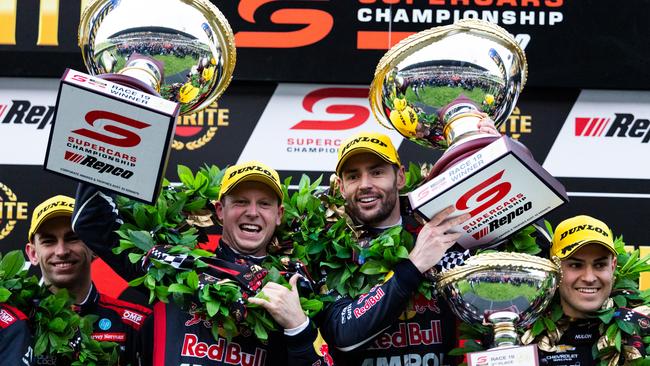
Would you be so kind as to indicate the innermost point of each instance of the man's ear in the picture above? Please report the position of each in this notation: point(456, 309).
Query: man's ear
point(341, 185)
point(30, 250)
point(278, 221)
point(218, 207)
point(614, 262)
point(401, 177)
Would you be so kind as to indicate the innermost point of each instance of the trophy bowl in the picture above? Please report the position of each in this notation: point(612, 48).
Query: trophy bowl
point(431, 86)
point(182, 50)
point(502, 288)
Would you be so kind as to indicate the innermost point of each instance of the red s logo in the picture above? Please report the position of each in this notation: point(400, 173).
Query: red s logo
point(318, 24)
point(359, 113)
point(491, 196)
point(127, 139)
point(80, 78)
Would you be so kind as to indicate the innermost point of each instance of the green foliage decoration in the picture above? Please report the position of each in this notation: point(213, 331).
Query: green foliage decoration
point(55, 325)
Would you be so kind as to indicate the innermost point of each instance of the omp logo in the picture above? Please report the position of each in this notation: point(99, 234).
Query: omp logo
point(487, 193)
point(132, 317)
point(127, 138)
point(100, 166)
point(357, 114)
point(23, 112)
point(193, 131)
point(11, 210)
point(623, 125)
point(316, 24)
point(6, 319)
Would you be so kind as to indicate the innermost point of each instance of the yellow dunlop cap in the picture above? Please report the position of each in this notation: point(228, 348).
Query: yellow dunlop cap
point(250, 171)
point(52, 207)
point(367, 142)
point(576, 232)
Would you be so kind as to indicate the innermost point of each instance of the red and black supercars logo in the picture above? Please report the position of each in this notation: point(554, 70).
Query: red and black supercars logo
point(484, 195)
point(624, 125)
point(124, 138)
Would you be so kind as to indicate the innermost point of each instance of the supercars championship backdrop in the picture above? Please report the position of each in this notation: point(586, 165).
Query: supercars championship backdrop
point(301, 85)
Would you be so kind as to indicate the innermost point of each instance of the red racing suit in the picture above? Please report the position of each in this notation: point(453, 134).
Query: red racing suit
point(15, 337)
point(178, 337)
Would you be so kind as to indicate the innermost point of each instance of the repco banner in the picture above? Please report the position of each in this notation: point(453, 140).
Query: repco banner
point(342, 41)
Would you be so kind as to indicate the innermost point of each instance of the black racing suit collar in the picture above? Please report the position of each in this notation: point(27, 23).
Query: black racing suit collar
point(89, 305)
point(224, 251)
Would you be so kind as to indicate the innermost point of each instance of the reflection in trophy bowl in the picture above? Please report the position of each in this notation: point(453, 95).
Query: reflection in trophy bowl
point(505, 289)
point(432, 85)
point(183, 50)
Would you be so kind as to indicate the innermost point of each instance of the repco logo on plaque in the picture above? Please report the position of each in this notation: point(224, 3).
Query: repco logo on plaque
point(195, 130)
point(11, 210)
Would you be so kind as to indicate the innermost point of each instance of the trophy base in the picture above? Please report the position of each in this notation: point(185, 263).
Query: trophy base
point(505, 356)
point(500, 185)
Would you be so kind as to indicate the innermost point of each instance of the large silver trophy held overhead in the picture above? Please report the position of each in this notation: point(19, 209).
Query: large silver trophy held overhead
point(148, 61)
point(434, 87)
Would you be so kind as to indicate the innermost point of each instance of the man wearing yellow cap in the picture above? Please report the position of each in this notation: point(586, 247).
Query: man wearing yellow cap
point(64, 261)
point(398, 327)
point(585, 247)
point(250, 208)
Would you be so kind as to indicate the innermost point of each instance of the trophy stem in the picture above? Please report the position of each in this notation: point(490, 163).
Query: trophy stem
point(461, 126)
point(505, 334)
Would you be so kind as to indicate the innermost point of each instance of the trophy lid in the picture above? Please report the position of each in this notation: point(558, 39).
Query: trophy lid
point(191, 39)
point(471, 65)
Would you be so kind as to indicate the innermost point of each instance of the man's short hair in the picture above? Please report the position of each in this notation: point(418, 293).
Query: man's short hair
point(367, 142)
point(52, 207)
point(252, 171)
point(574, 233)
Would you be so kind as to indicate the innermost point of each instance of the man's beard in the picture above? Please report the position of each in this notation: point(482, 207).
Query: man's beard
point(386, 206)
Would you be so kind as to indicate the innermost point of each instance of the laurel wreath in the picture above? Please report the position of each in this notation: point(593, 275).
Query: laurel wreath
point(177, 218)
point(198, 143)
point(8, 228)
point(58, 330)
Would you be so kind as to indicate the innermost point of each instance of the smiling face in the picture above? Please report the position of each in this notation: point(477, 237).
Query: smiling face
point(587, 279)
point(63, 258)
point(249, 214)
point(370, 187)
